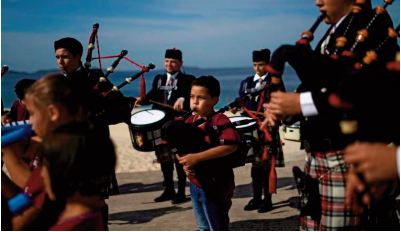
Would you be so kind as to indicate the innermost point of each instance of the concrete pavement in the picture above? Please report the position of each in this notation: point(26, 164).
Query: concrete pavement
point(134, 208)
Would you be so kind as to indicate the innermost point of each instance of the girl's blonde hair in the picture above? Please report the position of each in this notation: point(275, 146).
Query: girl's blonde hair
point(56, 89)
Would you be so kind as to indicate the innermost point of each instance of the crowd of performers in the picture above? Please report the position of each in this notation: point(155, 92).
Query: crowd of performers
point(350, 134)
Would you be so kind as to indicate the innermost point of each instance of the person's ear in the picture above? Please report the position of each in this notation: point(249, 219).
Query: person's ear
point(180, 63)
point(215, 100)
point(53, 112)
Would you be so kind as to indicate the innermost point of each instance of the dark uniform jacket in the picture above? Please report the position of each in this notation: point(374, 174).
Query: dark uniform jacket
point(181, 88)
point(323, 75)
point(111, 109)
point(251, 95)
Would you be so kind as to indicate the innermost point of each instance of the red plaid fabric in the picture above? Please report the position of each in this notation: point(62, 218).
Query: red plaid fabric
point(329, 168)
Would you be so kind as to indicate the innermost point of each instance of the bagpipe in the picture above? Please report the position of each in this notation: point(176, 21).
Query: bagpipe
point(18, 131)
point(294, 55)
point(315, 69)
point(91, 46)
point(185, 138)
point(354, 49)
point(268, 135)
point(93, 38)
point(375, 71)
point(114, 107)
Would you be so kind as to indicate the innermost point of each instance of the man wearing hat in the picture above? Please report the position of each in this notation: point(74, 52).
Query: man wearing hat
point(103, 110)
point(251, 94)
point(172, 88)
point(100, 110)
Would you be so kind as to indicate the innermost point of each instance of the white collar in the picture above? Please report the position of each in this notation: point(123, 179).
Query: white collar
point(169, 75)
point(338, 24)
point(257, 77)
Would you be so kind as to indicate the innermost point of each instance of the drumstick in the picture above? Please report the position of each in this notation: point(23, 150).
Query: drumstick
point(256, 112)
point(169, 106)
point(165, 105)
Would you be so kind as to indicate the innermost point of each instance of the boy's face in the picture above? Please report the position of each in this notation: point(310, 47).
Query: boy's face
point(259, 68)
point(66, 61)
point(334, 9)
point(201, 101)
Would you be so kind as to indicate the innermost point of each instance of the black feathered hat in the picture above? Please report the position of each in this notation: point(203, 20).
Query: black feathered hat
point(261, 55)
point(71, 44)
point(173, 54)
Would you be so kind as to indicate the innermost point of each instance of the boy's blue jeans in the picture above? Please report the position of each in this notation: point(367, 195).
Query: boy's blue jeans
point(211, 210)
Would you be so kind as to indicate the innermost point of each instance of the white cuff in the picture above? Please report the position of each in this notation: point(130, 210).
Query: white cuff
point(308, 108)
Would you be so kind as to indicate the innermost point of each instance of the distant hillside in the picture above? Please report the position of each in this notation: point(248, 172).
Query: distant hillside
point(229, 78)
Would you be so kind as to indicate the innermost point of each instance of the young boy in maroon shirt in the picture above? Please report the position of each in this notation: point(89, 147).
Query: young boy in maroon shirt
point(211, 179)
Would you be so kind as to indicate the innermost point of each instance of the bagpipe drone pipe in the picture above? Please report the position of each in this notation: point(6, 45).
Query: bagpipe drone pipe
point(113, 106)
point(112, 98)
point(370, 104)
point(365, 96)
point(346, 46)
point(187, 138)
point(109, 106)
point(353, 59)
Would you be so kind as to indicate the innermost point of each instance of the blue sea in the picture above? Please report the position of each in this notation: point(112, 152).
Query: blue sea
point(229, 78)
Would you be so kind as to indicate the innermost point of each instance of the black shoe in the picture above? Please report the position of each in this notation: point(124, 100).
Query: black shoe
point(266, 206)
point(166, 196)
point(253, 204)
point(180, 198)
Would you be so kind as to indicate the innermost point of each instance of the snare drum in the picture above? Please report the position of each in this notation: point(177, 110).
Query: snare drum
point(247, 126)
point(145, 129)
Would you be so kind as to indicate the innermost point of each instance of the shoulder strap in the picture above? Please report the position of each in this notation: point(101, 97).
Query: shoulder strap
point(214, 131)
point(159, 82)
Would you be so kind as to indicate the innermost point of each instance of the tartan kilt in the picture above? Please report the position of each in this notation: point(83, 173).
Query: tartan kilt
point(330, 171)
point(274, 147)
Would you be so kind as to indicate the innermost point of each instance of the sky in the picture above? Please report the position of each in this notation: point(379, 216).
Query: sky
point(210, 33)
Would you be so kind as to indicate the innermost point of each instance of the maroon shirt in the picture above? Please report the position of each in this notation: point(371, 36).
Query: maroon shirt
point(88, 221)
point(226, 134)
point(18, 111)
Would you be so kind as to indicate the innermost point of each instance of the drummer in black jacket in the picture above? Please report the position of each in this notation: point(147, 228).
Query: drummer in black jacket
point(250, 93)
point(173, 89)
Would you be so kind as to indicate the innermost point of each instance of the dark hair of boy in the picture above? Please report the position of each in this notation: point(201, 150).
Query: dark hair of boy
point(210, 83)
point(71, 44)
point(21, 87)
